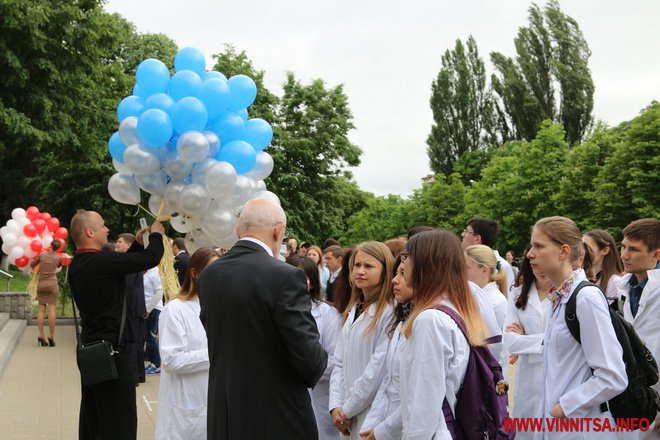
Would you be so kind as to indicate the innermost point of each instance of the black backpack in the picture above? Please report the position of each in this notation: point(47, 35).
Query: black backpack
point(639, 400)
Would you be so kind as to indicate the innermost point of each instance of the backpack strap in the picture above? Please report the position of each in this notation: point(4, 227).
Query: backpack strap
point(570, 313)
point(446, 410)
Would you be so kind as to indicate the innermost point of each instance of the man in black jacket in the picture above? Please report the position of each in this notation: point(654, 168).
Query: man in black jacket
point(181, 257)
point(97, 279)
point(264, 346)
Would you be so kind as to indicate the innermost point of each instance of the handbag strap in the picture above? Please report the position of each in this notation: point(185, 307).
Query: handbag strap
point(121, 326)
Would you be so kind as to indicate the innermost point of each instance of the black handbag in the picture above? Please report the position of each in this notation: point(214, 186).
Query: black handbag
point(96, 359)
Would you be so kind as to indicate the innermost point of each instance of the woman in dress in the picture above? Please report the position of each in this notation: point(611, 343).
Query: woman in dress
point(363, 341)
point(48, 290)
point(182, 397)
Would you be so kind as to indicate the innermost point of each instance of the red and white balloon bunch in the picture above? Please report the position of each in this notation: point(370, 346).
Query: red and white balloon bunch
point(28, 233)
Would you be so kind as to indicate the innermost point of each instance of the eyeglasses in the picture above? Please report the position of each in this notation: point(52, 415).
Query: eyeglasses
point(404, 256)
point(466, 231)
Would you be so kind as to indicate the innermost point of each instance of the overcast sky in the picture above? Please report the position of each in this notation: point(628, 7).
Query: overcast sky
point(387, 53)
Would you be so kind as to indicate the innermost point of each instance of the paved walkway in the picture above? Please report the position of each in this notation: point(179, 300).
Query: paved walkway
point(40, 392)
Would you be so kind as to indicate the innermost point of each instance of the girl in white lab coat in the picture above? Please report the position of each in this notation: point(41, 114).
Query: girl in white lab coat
point(435, 356)
point(384, 419)
point(524, 328)
point(607, 266)
point(328, 322)
point(578, 377)
point(184, 375)
point(362, 344)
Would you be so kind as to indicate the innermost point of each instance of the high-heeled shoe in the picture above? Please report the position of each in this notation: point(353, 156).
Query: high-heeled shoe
point(42, 341)
point(51, 342)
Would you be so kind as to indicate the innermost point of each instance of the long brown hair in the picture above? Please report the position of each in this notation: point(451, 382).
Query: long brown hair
point(439, 270)
point(562, 231)
point(311, 270)
point(385, 295)
point(199, 260)
point(612, 264)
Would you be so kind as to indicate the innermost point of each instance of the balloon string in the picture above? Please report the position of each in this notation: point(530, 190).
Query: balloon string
point(139, 206)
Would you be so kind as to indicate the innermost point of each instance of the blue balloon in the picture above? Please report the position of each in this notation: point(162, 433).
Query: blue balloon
point(155, 128)
point(229, 128)
point(243, 113)
point(184, 83)
point(129, 106)
point(243, 92)
point(189, 114)
point(137, 91)
point(213, 74)
point(190, 58)
point(238, 153)
point(116, 147)
point(161, 101)
point(215, 95)
point(258, 133)
point(152, 76)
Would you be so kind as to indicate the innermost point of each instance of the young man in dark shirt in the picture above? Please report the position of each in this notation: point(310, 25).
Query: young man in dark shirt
point(97, 279)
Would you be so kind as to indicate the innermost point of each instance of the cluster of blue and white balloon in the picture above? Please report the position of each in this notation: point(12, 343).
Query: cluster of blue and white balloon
point(188, 142)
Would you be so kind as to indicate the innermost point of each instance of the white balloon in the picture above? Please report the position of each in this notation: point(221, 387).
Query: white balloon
point(261, 185)
point(13, 227)
point(10, 239)
point(128, 131)
point(192, 146)
point(195, 199)
point(155, 205)
point(154, 183)
point(23, 222)
point(218, 222)
point(123, 189)
point(196, 239)
point(16, 252)
point(182, 224)
point(214, 143)
point(220, 179)
point(266, 195)
point(29, 253)
point(200, 170)
point(121, 168)
point(228, 241)
point(175, 167)
point(47, 240)
point(263, 167)
point(173, 195)
point(141, 159)
point(3, 231)
point(24, 241)
point(18, 213)
point(6, 249)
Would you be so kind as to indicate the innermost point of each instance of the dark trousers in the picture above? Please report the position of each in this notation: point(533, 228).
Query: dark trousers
point(151, 337)
point(137, 353)
point(108, 410)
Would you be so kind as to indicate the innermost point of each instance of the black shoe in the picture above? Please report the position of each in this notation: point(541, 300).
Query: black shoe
point(51, 342)
point(42, 341)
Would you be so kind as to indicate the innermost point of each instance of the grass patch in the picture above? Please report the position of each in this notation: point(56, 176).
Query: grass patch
point(16, 284)
point(19, 284)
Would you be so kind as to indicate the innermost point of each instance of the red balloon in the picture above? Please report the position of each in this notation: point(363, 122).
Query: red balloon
point(30, 230)
point(61, 233)
point(44, 216)
point(22, 261)
point(66, 261)
point(36, 246)
point(52, 224)
point(32, 213)
point(40, 224)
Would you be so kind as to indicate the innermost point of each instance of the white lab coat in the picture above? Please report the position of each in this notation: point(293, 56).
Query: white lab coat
point(529, 348)
point(498, 304)
point(359, 365)
point(184, 374)
point(568, 365)
point(612, 292)
point(153, 290)
point(328, 322)
point(646, 324)
point(492, 325)
point(385, 412)
point(433, 364)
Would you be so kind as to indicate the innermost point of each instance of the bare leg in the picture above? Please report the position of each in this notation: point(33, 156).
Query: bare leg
point(40, 320)
point(52, 309)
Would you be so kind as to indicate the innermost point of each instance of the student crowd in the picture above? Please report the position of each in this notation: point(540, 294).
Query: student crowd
point(394, 356)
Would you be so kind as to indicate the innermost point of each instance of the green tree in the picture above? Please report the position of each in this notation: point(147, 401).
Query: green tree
point(519, 185)
point(551, 59)
point(626, 187)
point(382, 218)
point(462, 107)
point(440, 203)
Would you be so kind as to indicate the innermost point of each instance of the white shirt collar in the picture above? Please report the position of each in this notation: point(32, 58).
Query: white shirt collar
point(334, 275)
point(260, 243)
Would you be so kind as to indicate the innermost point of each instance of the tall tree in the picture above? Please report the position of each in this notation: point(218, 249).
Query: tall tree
point(462, 108)
point(551, 62)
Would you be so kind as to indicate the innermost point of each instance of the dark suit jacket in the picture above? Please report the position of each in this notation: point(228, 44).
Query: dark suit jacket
point(181, 264)
point(264, 347)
